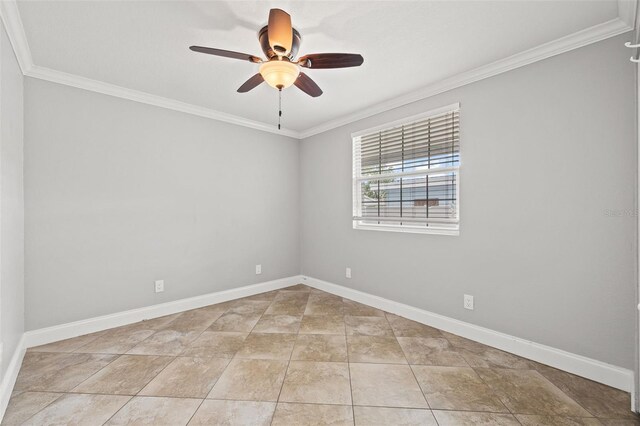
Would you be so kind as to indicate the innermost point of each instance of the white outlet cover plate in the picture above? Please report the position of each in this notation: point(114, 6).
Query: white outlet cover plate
point(159, 286)
point(258, 269)
point(468, 302)
point(348, 273)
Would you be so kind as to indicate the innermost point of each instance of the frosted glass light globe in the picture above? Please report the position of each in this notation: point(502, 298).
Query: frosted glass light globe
point(279, 74)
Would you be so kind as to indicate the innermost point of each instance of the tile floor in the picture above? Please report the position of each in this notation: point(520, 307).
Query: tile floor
point(297, 356)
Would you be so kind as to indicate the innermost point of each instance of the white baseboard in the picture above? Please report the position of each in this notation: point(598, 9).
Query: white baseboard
point(91, 325)
point(46, 335)
point(601, 372)
point(617, 377)
point(10, 376)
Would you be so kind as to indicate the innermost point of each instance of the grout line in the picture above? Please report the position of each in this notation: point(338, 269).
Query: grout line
point(563, 392)
point(353, 410)
point(118, 410)
point(346, 341)
point(289, 362)
point(408, 363)
point(494, 393)
point(201, 402)
point(117, 357)
point(46, 406)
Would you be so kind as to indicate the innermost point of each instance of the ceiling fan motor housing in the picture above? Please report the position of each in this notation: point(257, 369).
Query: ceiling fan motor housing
point(263, 37)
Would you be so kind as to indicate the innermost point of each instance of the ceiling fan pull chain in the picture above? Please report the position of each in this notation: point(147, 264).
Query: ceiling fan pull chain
point(279, 107)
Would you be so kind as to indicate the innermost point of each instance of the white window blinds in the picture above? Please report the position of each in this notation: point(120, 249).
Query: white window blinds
point(405, 175)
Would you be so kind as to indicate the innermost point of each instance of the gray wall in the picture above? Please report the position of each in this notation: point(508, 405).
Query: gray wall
point(11, 202)
point(119, 194)
point(548, 226)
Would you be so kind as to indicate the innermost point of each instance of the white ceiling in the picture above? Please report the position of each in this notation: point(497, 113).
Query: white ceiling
point(143, 45)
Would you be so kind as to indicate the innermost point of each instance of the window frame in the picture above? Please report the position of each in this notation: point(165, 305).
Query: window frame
point(357, 179)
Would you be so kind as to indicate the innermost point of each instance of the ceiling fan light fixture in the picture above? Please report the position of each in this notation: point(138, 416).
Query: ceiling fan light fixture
point(279, 74)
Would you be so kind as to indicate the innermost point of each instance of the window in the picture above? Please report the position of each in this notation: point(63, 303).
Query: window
point(405, 174)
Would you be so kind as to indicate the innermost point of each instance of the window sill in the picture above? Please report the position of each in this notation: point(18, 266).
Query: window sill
point(407, 229)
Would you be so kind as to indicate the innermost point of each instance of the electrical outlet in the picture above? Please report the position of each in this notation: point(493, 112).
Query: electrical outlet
point(159, 286)
point(468, 302)
point(258, 269)
point(348, 273)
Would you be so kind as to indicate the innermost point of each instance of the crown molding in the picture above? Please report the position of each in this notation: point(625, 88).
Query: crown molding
point(149, 99)
point(11, 18)
point(627, 10)
point(573, 41)
point(13, 25)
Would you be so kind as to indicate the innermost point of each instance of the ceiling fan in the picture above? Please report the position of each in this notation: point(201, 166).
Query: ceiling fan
point(280, 42)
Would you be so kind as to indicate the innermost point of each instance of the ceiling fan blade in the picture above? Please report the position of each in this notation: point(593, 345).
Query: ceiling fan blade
point(226, 53)
point(280, 32)
point(331, 60)
point(308, 86)
point(251, 83)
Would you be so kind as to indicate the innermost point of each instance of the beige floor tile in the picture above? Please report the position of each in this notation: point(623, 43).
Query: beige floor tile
point(59, 372)
point(312, 415)
point(385, 385)
point(249, 307)
point(598, 399)
point(116, 341)
point(324, 305)
point(25, 404)
point(292, 296)
point(619, 422)
point(235, 322)
point(360, 310)
point(456, 388)
point(430, 351)
point(125, 376)
point(79, 410)
point(320, 347)
point(403, 327)
point(287, 307)
point(380, 416)
point(143, 410)
point(267, 346)
point(237, 354)
point(494, 358)
point(233, 413)
point(216, 309)
point(317, 382)
point(153, 324)
point(375, 349)
point(322, 324)
point(195, 321)
point(250, 379)
point(165, 342)
point(268, 296)
point(528, 392)
point(186, 377)
point(156, 323)
point(67, 345)
point(215, 344)
point(278, 324)
point(533, 420)
point(321, 297)
point(483, 356)
point(462, 418)
point(367, 326)
point(298, 287)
